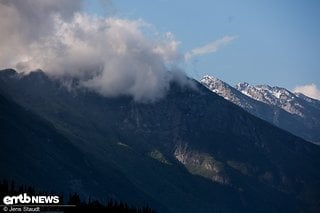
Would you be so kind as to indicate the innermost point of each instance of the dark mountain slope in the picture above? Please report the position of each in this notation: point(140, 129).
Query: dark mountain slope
point(34, 152)
point(192, 151)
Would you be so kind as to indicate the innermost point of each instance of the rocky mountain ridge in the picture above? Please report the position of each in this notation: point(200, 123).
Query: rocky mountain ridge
point(293, 112)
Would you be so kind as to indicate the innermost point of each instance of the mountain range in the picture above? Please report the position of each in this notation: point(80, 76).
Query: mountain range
point(191, 151)
point(293, 112)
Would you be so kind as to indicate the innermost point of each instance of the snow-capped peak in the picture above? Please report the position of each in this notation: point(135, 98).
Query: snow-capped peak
point(275, 96)
point(210, 79)
point(223, 89)
point(276, 105)
point(213, 83)
point(242, 86)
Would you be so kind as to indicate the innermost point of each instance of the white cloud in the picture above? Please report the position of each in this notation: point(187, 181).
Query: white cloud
point(310, 90)
point(23, 22)
point(112, 56)
point(210, 47)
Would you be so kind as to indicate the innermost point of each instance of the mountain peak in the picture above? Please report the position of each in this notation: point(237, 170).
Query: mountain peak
point(210, 78)
point(291, 111)
point(272, 95)
point(242, 85)
point(8, 72)
point(216, 85)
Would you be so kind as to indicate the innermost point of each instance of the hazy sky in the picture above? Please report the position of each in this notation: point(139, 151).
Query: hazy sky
point(275, 42)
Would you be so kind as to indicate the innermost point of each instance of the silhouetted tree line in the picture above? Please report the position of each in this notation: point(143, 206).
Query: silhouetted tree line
point(111, 206)
point(11, 188)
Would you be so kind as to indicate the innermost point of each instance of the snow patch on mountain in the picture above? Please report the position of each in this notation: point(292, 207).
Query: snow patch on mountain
point(275, 96)
point(224, 90)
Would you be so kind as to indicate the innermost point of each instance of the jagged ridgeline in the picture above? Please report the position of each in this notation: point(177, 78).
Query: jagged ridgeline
point(191, 151)
point(290, 111)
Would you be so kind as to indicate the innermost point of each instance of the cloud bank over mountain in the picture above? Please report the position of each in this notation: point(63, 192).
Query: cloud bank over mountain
point(310, 90)
point(110, 55)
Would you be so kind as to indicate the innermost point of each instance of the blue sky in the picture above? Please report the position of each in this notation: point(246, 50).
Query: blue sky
point(277, 42)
